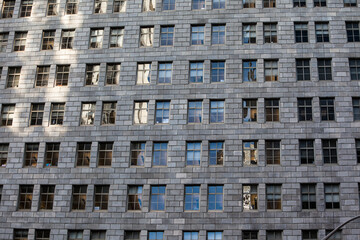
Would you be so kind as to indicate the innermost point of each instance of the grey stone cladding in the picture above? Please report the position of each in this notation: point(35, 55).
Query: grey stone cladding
point(233, 219)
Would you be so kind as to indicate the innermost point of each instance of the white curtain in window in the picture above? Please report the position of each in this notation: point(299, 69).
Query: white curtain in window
point(149, 5)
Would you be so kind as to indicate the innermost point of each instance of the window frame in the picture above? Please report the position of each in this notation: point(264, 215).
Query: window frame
point(194, 195)
point(161, 107)
point(301, 34)
point(101, 197)
point(138, 151)
point(272, 201)
point(83, 154)
point(7, 110)
point(275, 117)
point(52, 154)
point(47, 195)
point(87, 112)
point(105, 154)
point(168, 34)
point(141, 108)
point(108, 113)
point(78, 198)
point(307, 150)
point(327, 110)
point(216, 200)
point(37, 111)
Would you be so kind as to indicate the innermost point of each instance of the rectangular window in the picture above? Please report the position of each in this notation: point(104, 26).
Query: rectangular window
point(101, 197)
point(324, 69)
point(168, 5)
point(353, 32)
point(308, 196)
point(192, 198)
point(4, 150)
point(354, 68)
point(250, 234)
point(48, 39)
point(249, 33)
point(52, 8)
point(218, 34)
point(42, 76)
point(250, 153)
point(116, 37)
point(37, 114)
point(83, 154)
point(143, 73)
point(108, 113)
point(193, 153)
point(309, 234)
point(218, 4)
point(198, 33)
point(31, 154)
point(75, 235)
point(299, 3)
point(273, 235)
point(307, 152)
point(100, 6)
point(62, 75)
point(301, 32)
point(198, 4)
point(7, 114)
point(140, 112)
point(137, 153)
point(273, 196)
point(162, 112)
point(214, 236)
point(270, 32)
point(329, 150)
point(217, 71)
point(113, 74)
point(132, 235)
point(269, 3)
point(146, 36)
point(25, 8)
point(327, 107)
point(71, 7)
point(272, 110)
point(97, 234)
point(96, 38)
point(160, 154)
point(105, 153)
point(196, 72)
point(21, 234)
point(249, 110)
point(195, 111)
point(191, 236)
point(79, 197)
point(249, 71)
point(149, 5)
point(92, 74)
point(25, 197)
point(156, 235)
point(157, 198)
point(319, 3)
point(249, 3)
point(13, 77)
point(20, 41)
point(216, 198)
point(216, 153)
point(3, 41)
point(119, 6)
point(357, 142)
point(332, 196)
point(165, 73)
point(305, 109)
point(350, 3)
point(272, 149)
point(271, 70)
point(57, 113)
point(52, 154)
point(47, 193)
point(167, 36)
point(303, 69)
point(67, 39)
point(134, 198)
point(250, 198)
point(42, 234)
point(87, 113)
point(8, 8)
point(322, 32)
point(217, 111)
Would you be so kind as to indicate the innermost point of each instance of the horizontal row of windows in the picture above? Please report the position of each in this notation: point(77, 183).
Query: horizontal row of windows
point(167, 33)
point(100, 6)
point(156, 196)
point(76, 234)
point(162, 112)
point(194, 153)
point(196, 73)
